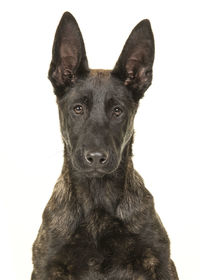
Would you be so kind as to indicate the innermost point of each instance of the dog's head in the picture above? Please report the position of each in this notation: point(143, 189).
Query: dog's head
point(97, 107)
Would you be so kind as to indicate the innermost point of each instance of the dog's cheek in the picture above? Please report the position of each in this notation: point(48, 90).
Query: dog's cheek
point(65, 128)
point(72, 132)
point(123, 135)
point(75, 132)
point(129, 131)
point(115, 147)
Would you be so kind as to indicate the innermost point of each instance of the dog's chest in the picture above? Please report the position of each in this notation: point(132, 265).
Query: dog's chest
point(102, 245)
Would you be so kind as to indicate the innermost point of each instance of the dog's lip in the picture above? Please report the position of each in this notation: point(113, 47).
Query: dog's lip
point(95, 173)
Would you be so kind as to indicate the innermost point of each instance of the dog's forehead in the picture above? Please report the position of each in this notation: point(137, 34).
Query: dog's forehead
point(100, 85)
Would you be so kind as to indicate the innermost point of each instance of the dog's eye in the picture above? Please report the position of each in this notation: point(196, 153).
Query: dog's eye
point(78, 109)
point(117, 111)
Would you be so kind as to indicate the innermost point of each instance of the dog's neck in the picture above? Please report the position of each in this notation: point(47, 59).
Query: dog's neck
point(104, 192)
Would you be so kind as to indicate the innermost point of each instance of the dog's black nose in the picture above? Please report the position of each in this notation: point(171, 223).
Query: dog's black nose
point(96, 159)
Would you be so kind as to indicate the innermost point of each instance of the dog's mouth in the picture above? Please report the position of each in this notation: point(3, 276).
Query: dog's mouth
point(96, 173)
point(93, 172)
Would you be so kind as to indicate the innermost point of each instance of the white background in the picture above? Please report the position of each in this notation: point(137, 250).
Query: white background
point(166, 150)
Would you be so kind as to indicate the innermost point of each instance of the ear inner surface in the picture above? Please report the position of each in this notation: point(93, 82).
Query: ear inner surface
point(134, 66)
point(69, 59)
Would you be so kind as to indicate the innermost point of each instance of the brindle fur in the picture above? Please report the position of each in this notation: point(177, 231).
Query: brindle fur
point(100, 225)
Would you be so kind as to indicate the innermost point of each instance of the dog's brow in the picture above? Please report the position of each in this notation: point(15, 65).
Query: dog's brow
point(115, 101)
point(81, 99)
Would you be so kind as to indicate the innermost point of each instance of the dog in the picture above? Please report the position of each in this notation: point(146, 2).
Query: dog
point(100, 222)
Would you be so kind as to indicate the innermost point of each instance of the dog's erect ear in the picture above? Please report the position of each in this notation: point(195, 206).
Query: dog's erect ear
point(134, 66)
point(69, 60)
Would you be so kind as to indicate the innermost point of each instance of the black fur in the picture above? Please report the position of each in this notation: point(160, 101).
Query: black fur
point(100, 222)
